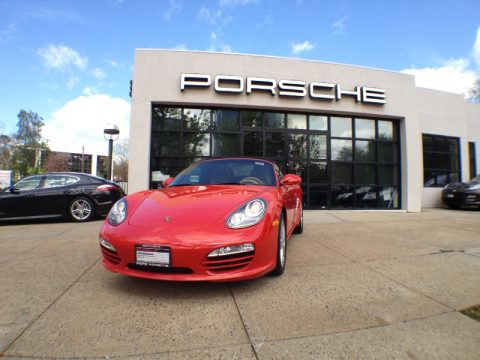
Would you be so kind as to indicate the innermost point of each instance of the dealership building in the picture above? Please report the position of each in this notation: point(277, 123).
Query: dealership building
point(360, 138)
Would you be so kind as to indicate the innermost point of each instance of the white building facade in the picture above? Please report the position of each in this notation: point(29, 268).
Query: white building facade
point(360, 138)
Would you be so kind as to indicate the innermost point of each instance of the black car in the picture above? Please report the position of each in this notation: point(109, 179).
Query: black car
point(77, 196)
point(462, 194)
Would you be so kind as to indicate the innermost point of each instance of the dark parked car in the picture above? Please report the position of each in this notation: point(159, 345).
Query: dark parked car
point(77, 196)
point(462, 194)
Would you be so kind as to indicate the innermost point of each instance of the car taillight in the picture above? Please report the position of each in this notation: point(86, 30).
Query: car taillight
point(107, 187)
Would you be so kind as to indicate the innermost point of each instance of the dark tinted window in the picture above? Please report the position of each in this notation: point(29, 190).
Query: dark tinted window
point(441, 160)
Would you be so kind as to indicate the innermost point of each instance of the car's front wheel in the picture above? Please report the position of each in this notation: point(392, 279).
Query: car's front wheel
point(81, 209)
point(281, 248)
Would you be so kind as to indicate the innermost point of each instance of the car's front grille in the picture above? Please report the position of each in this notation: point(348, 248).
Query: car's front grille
point(160, 270)
point(228, 263)
point(110, 256)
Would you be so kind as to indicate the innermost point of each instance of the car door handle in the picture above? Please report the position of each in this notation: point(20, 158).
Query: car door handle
point(30, 196)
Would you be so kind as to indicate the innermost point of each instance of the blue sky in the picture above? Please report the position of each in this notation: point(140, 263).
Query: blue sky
point(71, 61)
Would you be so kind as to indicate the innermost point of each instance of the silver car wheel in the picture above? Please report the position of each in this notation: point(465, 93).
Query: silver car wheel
point(81, 209)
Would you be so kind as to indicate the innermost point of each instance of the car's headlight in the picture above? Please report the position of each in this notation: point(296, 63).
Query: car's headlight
point(118, 212)
point(248, 215)
point(446, 186)
point(474, 187)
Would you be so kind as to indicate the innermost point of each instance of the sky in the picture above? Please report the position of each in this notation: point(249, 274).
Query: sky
point(70, 61)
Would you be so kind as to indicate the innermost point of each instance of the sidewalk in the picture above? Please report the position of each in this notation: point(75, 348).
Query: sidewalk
point(358, 285)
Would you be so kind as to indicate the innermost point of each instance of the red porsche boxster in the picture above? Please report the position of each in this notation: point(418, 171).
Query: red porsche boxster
point(218, 220)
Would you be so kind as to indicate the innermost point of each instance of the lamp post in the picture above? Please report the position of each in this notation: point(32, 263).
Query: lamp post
point(110, 133)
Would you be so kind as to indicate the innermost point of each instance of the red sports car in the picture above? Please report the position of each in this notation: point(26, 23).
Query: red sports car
point(218, 220)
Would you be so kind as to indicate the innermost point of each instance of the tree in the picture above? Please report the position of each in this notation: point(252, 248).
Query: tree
point(120, 161)
point(29, 150)
point(57, 162)
point(5, 149)
point(474, 92)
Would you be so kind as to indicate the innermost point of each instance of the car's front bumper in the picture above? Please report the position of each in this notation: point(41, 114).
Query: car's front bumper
point(461, 198)
point(188, 257)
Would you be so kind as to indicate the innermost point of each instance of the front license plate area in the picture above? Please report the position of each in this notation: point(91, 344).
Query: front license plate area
point(152, 255)
point(450, 196)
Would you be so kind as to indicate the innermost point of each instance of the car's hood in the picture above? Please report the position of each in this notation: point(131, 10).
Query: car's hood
point(193, 205)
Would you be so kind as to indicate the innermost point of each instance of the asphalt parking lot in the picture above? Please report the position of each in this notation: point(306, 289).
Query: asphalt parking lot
point(358, 285)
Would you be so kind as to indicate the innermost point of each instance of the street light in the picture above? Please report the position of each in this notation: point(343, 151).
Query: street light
point(110, 133)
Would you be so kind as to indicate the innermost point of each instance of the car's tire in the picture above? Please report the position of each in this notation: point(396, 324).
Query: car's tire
point(81, 209)
point(299, 228)
point(281, 257)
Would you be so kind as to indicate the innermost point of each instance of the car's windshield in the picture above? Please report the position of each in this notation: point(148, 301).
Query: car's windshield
point(476, 179)
point(227, 171)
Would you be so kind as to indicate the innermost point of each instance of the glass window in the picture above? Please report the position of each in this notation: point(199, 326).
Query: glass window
point(341, 127)
point(274, 120)
point(274, 144)
point(226, 120)
point(365, 128)
point(253, 143)
point(365, 151)
point(341, 150)
point(29, 183)
point(341, 173)
point(196, 119)
point(342, 196)
point(318, 196)
point(196, 145)
point(366, 197)
point(251, 118)
point(387, 152)
point(166, 119)
point(318, 122)
point(165, 143)
point(52, 181)
point(297, 145)
point(441, 160)
point(385, 130)
point(298, 168)
point(388, 175)
point(225, 145)
point(318, 172)
point(365, 174)
point(318, 146)
point(388, 197)
point(296, 121)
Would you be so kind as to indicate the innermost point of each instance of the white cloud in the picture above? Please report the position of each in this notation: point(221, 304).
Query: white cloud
point(60, 57)
point(114, 64)
point(80, 122)
point(175, 8)
point(297, 48)
point(476, 48)
point(72, 82)
point(7, 35)
point(218, 46)
point(89, 90)
point(236, 2)
point(98, 73)
point(181, 47)
point(452, 76)
point(339, 25)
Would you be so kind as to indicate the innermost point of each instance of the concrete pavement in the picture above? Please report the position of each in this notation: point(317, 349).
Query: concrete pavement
point(358, 285)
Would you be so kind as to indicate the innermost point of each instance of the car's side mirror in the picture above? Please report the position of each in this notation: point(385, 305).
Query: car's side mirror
point(291, 179)
point(13, 189)
point(167, 181)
